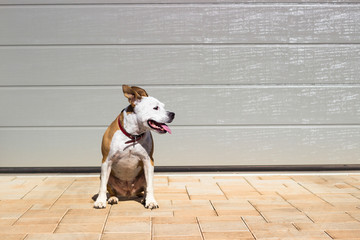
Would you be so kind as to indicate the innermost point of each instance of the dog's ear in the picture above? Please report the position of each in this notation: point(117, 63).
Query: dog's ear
point(131, 94)
point(140, 91)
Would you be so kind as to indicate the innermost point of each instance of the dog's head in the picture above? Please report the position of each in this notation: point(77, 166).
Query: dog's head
point(150, 112)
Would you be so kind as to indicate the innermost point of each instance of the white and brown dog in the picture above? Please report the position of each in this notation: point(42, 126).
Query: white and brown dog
point(127, 147)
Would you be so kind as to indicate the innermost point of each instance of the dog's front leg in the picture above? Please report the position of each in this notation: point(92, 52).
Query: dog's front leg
point(150, 201)
point(105, 173)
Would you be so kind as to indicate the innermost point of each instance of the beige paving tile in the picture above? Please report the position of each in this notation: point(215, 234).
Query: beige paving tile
point(178, 238)
point(314, 207)
point(162, 230)
point(339, 198)
point(244, 235)
point(169, 196)
point(183, 179)
point(194, 213)
point(344, 234)
point(172, 220)
point(254, 219)
point(74, 219)
point(58, 213)
point(38, 220)
point(128, 227)
point(10, 214)
point(355, 214)
point(121, 219)
point(232, 204)
point(222, 224)
point(80, 228)
point(87, 212)
point(286, 202)
point(284, 217)
point(291, 234)
point(264, 226)
point(237, 212)
point(329, 226)
point(143, 213)
point(322, 217)
point(203, 189)
point(43, 195)
point(23, 229)
point(64, 236)
point(126, 236)
point(7, 221)
point(207, 197)
point(4, 236)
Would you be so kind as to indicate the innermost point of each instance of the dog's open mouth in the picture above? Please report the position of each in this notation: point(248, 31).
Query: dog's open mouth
point(159, 127)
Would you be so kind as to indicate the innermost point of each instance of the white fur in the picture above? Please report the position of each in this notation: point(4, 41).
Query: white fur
point(123, 159)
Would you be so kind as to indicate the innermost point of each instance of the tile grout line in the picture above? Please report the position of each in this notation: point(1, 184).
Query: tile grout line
point(62, 217)
point(199, 226)
point(352, 185)
point(22, 215)
point(62, 193)
point(222, 190)
point(105, 222)
point(217, 214)
point(187, 192)
point(296, 209)
point(288, 202)
point(352, 194)
point(22, 198)
point(312, 193)
point(328, 234)
point(266, 220)
point(151, 228)
point(247, 226)
point(252, 186)
point(346, 212)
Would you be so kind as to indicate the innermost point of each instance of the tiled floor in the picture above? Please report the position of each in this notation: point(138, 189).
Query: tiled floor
point(192, 207)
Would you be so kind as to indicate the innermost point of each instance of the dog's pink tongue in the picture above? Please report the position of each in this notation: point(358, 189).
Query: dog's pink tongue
point(164, 126)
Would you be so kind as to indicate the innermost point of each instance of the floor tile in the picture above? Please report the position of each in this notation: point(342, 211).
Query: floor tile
point(178, 238)
point(64, 236)
point(244, 235)
point(80, 228)
point(128, 227)
point(126, 236)
point(4, 236)
point(176, 230)
point(344, 234)
point(195, 207)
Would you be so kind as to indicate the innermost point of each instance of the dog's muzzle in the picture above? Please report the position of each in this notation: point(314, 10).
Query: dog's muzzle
point(162, 127)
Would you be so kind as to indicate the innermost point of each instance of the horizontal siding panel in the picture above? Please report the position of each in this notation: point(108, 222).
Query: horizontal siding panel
point(47, 2)
point(164, 24)
point(247, 105)
point(215, 64)
point(187, 146)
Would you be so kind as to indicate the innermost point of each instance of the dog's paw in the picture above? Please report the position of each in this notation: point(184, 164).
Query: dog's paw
point(100, 202)
point(151, 204)
point(113, 200)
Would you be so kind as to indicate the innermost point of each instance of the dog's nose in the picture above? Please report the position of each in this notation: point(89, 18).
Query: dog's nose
point(171, 116)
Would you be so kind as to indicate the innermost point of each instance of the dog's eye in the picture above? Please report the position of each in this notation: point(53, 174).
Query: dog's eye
point(156, 108)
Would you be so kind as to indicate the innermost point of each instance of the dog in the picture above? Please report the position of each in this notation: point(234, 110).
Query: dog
point(127, 167)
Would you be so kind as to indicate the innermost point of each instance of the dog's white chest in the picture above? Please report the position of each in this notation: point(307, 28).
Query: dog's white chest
point(127, 159)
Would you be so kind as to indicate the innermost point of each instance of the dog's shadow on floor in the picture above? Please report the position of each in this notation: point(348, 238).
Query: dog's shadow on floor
point(138, 199)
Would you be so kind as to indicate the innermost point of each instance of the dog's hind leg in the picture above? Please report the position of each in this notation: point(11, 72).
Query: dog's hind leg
point(113, 199)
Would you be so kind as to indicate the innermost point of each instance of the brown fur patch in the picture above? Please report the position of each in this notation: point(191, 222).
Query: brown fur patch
point(108, 135)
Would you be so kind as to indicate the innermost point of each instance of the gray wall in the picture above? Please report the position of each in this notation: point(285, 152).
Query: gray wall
point(251, 83)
